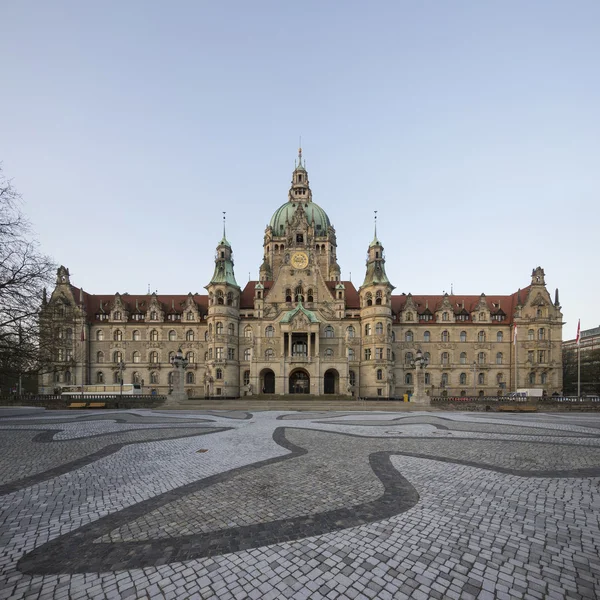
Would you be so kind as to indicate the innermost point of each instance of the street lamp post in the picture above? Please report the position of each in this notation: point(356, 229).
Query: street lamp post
point(474, 382)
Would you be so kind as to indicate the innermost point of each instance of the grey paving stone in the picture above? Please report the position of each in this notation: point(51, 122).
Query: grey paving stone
point(294, 505)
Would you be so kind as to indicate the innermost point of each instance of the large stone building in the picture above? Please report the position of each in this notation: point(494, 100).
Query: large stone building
point(300, 329)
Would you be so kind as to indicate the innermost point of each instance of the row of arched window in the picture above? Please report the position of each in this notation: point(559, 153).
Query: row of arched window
point(328, 332)
point(269, 353)
point(153, 336)
point(445, 358)
point(152, 316)
point(299, 295)
point(220, 298)
point(220, 329)
point(136, 357)
point(463, 379)
point(543, 379)
point(190, 377)
point(369, 330)
point(379, 298)
point(445, 336)
point(462, 316)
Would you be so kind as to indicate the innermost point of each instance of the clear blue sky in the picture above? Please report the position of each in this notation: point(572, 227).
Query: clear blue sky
point(472, 127)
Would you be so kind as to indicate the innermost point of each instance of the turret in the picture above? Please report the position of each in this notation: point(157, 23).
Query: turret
point(223, 323)
point(377, 377)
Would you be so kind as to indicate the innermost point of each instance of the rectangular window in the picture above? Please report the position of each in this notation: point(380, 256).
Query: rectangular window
point(530, 356)
point(219, 353)
point(378, 353)
point(230, 354)
point(367, 353)
point(389, 354)
point(379, 392)
point(210, 353)
point(542, 356)
point(219, 391)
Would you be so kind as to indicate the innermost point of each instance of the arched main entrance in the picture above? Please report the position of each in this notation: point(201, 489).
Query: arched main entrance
point(267, 382)
point(331, 381)
point(299, 382)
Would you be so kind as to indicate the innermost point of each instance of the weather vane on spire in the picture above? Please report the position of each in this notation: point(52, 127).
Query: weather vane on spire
point(224, 213)
point(375, 222)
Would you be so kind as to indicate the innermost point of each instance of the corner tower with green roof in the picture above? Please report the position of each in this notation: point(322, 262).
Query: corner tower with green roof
point(222, 360)
point(377, 366)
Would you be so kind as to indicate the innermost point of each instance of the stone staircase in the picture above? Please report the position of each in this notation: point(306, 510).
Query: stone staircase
point(294, 402)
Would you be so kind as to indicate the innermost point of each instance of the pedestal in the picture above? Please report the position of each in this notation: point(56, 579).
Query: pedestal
point(177, 395)
point(419, 396)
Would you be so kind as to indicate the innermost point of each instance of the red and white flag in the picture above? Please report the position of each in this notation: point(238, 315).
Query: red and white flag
point(82, 335)
point(578, 336)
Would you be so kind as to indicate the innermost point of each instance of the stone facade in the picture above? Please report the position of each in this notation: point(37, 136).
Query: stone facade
point(300, 329)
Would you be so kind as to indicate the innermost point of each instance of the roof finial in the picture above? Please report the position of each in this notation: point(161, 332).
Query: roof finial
point(224, 213)
point(452, 289)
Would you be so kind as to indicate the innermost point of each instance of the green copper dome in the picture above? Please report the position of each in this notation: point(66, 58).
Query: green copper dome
point(313, 211)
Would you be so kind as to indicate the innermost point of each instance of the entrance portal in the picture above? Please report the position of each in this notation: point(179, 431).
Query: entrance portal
point(268, 382)
point(330, 382)
point(299, 383)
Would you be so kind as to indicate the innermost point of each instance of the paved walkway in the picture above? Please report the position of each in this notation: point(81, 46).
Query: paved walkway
point(151, 504)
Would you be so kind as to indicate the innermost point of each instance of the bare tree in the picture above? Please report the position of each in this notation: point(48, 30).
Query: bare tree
point(24, 271)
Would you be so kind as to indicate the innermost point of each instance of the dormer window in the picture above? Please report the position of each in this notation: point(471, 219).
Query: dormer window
point(299, 238)
point(299, 177)
point(222, 254)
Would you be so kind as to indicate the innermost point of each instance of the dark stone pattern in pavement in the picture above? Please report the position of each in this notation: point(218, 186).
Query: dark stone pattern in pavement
point(28, 457)
point(321, 507)
point(449, 424)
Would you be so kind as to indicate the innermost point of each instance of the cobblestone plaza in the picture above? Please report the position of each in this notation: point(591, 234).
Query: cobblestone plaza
point(150, 504)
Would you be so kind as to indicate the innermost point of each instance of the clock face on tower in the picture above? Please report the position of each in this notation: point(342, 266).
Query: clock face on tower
point(299, 260)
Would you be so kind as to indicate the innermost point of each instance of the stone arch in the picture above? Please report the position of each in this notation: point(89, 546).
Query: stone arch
point(267, 381)
point(299, 382)
point(331, 382)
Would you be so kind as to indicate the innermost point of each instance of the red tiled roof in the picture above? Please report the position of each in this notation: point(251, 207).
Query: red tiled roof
point(97, 303)
point(352, 297)
point(247, 297)
point(494, 303)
